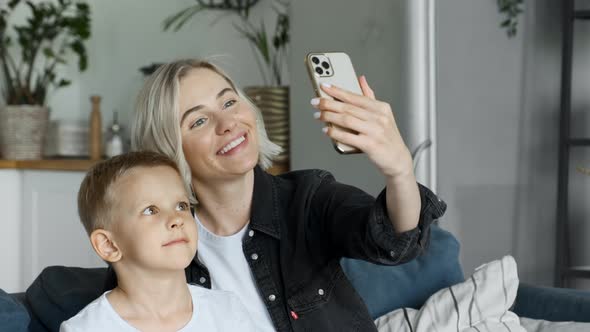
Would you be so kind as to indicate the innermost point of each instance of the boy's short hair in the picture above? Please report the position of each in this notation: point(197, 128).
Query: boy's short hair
point(94, 196)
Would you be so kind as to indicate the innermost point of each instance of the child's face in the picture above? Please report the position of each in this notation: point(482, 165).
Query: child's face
point(152, 223)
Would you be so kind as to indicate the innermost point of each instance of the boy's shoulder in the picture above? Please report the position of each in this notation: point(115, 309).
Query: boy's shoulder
point(214, 295)
point(94, 317)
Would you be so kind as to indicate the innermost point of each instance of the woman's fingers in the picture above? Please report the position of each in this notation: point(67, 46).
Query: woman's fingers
point(335, 106)
point(367, 91)
point(345, 121)
point(346, 137)
point(360, 101)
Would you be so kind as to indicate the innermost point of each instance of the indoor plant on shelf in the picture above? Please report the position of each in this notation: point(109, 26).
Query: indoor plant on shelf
point(270, 51)
point(29, 59)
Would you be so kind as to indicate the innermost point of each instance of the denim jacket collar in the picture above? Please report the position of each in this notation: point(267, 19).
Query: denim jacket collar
point(264, 214)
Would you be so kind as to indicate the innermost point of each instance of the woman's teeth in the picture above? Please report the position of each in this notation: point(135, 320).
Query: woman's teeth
point(232, 144)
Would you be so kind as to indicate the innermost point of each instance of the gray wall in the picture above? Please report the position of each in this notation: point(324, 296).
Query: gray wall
point(372, 33)
point(497, 113)
point(498, 103)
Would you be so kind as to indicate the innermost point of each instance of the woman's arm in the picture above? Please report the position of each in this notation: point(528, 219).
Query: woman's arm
point(347, 222)
point(378, 137)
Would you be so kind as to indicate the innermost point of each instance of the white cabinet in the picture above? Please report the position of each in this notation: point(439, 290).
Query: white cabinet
point(43, 225)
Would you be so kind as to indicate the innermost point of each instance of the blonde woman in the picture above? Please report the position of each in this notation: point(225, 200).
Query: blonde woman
point(276, 241)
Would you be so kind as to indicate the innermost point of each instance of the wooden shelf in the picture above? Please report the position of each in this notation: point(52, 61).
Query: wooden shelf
point(49, 164)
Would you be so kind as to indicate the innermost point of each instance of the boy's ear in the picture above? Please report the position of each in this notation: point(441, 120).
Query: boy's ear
point(105, 246)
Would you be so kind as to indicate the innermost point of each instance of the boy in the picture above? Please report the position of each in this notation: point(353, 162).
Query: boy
point(136, 211)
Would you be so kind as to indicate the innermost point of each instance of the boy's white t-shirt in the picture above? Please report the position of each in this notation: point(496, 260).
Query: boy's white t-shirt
point(213, 310)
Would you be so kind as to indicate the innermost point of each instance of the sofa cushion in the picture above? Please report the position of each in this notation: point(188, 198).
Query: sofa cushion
point(552, 304)
point(59, 293)
point(386, 288)
point(13, 315)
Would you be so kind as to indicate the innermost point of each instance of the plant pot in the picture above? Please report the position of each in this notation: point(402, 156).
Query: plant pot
point(273, 102)
point(22, 131)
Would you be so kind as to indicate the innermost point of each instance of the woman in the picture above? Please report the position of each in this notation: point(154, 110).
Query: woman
point(276, 241)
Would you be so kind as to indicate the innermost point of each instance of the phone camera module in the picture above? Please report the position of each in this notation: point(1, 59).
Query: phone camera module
point(315, 60)
point(325, 65)
point(319, 70)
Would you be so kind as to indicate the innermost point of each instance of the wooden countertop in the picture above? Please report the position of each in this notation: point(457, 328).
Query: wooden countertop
point(49, 164)
point(82, 165)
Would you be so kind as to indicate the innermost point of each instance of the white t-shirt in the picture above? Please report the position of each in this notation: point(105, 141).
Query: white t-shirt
point(212, 311)
point(229, 271)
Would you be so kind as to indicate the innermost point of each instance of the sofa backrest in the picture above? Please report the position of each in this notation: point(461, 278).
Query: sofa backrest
point(13, 315)
point(386, 288)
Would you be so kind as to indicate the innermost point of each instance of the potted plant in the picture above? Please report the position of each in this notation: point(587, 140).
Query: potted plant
point(511, 9)
point(270, 51)
point(29, 59)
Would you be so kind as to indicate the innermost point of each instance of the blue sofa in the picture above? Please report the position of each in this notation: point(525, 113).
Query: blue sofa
point(383, 288)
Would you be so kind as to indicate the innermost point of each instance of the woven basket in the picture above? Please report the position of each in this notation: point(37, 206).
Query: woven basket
point(22, 131)
point(273, 102)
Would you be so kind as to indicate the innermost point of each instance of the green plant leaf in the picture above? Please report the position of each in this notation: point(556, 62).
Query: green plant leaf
point(63, 83)
point(179, 19)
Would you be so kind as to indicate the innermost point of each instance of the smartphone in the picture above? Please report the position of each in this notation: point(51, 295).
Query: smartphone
point(334, 68)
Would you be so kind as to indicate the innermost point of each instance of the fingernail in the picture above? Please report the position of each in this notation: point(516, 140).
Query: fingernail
point(315, 101)
point(325, 129)
point(326, 85)
point(316, 115)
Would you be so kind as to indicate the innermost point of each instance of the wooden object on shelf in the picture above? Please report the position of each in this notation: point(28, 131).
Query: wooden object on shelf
point(95, 133)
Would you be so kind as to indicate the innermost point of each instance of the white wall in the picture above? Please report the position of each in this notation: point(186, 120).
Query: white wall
point(10, 246)
point(127, 35)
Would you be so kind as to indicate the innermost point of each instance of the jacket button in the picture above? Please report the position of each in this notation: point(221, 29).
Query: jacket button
point(202, 280)
point(321, 292)
point(272, 297)
point(254, 256)
point(251, 233)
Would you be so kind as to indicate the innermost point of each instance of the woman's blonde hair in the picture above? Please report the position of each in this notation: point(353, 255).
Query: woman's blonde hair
point(156, 120)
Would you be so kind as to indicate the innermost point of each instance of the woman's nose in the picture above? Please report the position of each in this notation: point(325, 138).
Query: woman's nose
point(226, 122)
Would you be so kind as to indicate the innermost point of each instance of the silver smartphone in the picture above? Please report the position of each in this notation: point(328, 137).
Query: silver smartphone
point(334, 68)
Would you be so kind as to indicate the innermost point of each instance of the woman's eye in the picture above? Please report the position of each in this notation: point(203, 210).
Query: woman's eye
point(229, 103)
point(183, 206)
point(149, 211)
point(199, 122)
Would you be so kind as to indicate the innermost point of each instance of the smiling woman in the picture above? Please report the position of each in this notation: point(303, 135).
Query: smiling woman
point(164, 96)
point(276, 241)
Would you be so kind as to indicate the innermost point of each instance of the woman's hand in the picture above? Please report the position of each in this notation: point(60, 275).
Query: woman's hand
point(378, 135)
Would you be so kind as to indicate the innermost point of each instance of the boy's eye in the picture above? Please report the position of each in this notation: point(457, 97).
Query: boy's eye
point(182, 206)
point(229, 103)
point(149, 211)
point(199, 122)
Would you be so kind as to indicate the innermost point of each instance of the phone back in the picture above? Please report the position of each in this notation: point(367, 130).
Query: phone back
point(334, 68)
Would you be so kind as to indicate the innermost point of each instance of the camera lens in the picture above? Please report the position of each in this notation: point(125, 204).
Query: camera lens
point(315, 60)
point(325, 65)
point(319, 70)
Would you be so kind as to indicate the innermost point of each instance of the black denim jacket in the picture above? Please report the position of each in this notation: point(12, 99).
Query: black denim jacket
point(301, 224)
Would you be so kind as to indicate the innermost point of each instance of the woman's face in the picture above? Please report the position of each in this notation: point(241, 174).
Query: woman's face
point(219, 137)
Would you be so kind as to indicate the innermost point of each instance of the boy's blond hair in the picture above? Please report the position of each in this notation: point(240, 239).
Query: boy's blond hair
point(95, 197)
